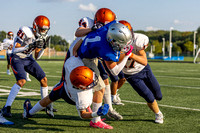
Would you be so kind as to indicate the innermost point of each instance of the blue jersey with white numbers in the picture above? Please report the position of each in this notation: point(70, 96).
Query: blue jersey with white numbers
point(96, 45)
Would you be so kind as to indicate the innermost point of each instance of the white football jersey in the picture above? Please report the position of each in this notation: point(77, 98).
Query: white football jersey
point(86, 22)
point(24, 36)
point(140, 43)
point(82, 98)
point(7, 43)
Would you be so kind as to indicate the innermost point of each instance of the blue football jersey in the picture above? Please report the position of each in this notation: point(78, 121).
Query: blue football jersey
point(96, 45)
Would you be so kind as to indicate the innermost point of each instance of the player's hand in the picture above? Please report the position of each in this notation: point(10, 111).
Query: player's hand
point(96, 26)
point(39, 43)
point(46, 42)
point(31, 45)
point(130, 50)
point(103, 110)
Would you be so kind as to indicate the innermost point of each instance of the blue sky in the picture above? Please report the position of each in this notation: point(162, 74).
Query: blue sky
point(64, 15)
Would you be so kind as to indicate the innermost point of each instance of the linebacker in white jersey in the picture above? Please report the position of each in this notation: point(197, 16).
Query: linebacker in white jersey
point(28, 40)
point(86, 25)
point(8, 44)
point(138, 73)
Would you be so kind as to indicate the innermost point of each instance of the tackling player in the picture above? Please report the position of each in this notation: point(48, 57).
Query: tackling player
point(106, 43)
point(28, 40)
point(86, 25)
point(139, 74)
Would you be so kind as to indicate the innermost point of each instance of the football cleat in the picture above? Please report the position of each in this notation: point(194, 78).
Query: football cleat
point(27, 107)
point(6, 111)
point(114, 115)
point(117, 101)
point(49, 110)
point(159, 118)
point(100, 124)
point(3, 121)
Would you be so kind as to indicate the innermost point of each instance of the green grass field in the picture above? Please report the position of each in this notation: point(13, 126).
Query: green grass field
point(180, 85)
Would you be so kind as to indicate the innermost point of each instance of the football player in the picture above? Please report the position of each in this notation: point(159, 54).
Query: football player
point(28, 40)
point(75, 87)
point(8, 45)
point(86, 25)
point(106, 43)
point(139, 74)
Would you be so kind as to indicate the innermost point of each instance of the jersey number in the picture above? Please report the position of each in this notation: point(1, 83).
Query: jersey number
point(20, 34)
point(97, 38)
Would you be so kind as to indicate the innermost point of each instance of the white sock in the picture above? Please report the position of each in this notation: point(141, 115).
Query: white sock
point(113, 97)
point(43, 91)
point(36, 108)
point(159, 112)
point(95, 107)
point(13, 93)
point(107, 97)
point(8, 70)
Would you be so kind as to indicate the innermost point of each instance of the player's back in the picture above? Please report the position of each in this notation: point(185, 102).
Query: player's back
point(96, 45)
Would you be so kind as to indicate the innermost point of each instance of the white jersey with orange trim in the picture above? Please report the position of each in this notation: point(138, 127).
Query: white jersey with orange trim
point(82, 98)
point(140, 43)
point(6, 44)
point(24, 37)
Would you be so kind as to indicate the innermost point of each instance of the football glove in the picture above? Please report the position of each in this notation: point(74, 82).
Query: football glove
point(103, 110)
point(46, 42)
point(130, 50)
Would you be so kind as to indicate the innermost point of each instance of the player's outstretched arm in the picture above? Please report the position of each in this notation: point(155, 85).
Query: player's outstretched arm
point(141, 57)
point(82, 31)
point(76, 47)
point(103, 110)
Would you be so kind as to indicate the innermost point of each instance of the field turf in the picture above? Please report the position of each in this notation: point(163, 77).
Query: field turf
point(180, 85)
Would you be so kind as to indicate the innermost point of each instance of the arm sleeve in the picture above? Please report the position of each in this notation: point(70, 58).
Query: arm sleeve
point(116, 70)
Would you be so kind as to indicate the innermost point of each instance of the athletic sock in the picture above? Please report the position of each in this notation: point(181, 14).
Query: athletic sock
point(95, 107)
point(43, 91)
point(36, 108)
point(13, 93)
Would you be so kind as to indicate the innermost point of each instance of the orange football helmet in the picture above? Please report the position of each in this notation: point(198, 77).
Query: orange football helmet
point(127, 24)
point(10, 35)
point(41, 25)
point(83, 78)
point(104, 16)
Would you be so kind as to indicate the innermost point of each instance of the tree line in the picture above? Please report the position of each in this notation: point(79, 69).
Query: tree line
point(183, 42)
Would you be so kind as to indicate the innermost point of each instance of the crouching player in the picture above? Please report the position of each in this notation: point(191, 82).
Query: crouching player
point(75, 89)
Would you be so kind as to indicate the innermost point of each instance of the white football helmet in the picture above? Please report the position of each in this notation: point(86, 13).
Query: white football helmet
point(119, 36)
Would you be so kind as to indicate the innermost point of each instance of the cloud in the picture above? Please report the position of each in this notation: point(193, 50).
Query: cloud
point(185, 23)
point(176, 21)
point(151, 28)
point(89, 7)
point(57, 0)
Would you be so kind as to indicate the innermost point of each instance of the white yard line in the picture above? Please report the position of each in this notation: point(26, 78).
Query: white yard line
point(169, 106)
point(177, 77)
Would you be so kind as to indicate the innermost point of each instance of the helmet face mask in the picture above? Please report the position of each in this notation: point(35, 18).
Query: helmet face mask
point(10, 35)
point(119, 37)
